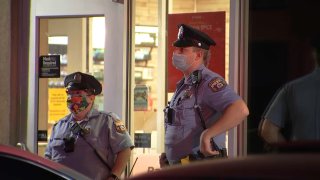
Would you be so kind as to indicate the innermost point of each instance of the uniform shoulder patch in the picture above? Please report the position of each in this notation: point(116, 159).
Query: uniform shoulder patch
point(217, 84)
point(120, 126)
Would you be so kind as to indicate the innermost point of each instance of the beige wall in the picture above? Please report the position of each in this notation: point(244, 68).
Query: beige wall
point(146, 12)
point(74, 28)
point(182, 6)
point(5, 71)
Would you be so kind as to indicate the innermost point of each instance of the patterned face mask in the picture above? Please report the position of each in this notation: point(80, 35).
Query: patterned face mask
point(77, 103)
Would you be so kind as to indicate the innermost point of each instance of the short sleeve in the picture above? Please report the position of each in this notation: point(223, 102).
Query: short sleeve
point(48, 151)
point(276, 112)
point(119, 136)
point(217, 94)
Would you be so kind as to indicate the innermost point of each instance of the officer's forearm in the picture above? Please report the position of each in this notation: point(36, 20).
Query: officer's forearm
point(121, 161)
point(231, 117)
point(271, 133)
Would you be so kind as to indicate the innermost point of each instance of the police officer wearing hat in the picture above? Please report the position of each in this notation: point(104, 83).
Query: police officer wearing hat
point(94, 143)
point(203, 105)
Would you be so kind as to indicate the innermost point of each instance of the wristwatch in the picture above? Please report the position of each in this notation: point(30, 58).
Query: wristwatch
point(113, 176)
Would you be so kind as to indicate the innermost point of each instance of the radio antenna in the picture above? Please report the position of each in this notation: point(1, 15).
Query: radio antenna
point(133, 166)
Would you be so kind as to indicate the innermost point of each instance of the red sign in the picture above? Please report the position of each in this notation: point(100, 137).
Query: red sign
point(211, 23)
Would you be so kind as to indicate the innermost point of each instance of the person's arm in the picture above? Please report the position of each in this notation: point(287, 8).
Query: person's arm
point(48, 150)
point(233, 115)
point(47, 153)
point(163, 161)
point(271, 132)
point(121, 161)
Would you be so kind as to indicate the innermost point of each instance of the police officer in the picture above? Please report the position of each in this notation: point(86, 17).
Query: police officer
point(294, 112)
point(94, 143)
point(203, 105)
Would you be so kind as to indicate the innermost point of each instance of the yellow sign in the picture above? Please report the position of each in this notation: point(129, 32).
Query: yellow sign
point(57, 104)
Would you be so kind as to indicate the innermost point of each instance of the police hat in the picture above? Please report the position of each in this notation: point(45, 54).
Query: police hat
point(188, 36)
point(81, 81)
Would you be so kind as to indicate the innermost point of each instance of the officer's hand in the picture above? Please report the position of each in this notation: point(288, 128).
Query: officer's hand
point(163, 160)
point(205, 145)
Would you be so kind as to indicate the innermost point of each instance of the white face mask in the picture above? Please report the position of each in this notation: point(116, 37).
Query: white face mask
point(180, 61)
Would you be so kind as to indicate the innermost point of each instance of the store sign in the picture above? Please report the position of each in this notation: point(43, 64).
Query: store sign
point(49, 66)
point(42, 135)
point(142, 140)
point(213, 24)
point(57, 104)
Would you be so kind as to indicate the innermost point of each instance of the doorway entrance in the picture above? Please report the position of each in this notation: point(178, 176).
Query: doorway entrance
point(79, 42)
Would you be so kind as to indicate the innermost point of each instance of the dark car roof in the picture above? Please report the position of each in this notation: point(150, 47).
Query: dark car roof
point(267, 166)
point(13, 152)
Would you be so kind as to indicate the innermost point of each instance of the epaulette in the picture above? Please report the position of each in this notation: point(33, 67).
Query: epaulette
point(120, 126)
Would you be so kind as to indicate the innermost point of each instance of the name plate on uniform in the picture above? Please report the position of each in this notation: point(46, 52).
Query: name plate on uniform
point(142, 140)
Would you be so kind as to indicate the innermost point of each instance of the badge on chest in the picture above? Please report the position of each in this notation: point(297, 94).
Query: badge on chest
point(187, 94)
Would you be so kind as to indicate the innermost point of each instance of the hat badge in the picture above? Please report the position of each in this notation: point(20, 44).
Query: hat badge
point(180, 33)
point(77, 77)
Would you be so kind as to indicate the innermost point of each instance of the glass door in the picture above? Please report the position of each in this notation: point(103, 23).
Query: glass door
point(79, 43)
point(147, 88)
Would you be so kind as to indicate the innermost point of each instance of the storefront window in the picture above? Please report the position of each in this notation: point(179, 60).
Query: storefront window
point(145, 87)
